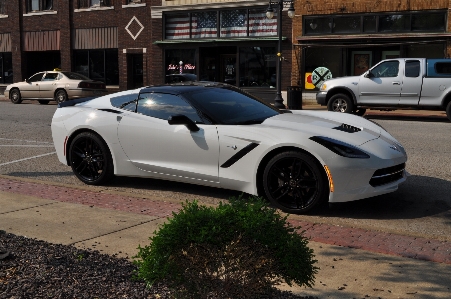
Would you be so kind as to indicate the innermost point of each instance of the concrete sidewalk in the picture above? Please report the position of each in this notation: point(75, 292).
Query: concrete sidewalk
point(116, 224)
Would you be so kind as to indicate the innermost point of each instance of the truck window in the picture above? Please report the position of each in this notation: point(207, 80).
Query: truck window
point(412, 68)
point(443, 68)
point(386, 69)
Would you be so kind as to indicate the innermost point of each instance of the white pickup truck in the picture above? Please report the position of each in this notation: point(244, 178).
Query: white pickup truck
point(402, 83)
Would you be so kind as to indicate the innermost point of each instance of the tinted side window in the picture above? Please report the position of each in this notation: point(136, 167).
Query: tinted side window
point(50, 76)
point(386, 69)
point(412, 68)
point(161, 105)
point(126, 101)
point(443, 68)
point(37, 77)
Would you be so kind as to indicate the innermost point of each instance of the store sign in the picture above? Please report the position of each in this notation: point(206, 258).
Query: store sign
point(308, 81)
point(319, 75)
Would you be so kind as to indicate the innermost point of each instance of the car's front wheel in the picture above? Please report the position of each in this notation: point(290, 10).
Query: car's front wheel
point(91, 159)
point(60, 96)
point(340, 103)
point(15, 97)
point(294, 182)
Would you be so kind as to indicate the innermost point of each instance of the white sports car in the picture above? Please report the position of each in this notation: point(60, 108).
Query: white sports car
point(216, 135)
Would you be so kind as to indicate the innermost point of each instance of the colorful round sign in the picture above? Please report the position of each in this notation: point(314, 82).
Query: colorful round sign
point(319, 75)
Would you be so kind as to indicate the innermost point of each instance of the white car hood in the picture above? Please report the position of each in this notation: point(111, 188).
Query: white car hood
point(348, 128)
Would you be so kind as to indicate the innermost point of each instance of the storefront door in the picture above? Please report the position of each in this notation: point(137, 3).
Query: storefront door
point(228, 69)
point(135, 71)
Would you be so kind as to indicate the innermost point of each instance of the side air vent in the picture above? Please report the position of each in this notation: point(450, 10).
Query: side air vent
point(387, 175)
point(347, 128)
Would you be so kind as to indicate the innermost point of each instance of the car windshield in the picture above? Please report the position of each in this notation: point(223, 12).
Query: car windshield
point(75, 76)
point(230, 107)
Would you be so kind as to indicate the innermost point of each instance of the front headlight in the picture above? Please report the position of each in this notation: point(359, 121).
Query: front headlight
point(323, 87)
point(340, 148)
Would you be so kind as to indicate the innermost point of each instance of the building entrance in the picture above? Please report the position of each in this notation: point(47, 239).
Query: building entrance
point(134, 71)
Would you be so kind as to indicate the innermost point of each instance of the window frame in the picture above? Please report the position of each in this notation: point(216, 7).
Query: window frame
point(43, 4)
point(84, 4)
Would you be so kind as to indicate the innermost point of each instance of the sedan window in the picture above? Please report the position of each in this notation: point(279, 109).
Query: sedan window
point(50, 76)
point(161, 105)
point(36, 77)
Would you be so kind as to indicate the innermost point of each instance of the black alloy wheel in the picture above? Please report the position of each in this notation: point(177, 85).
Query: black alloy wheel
point(43, 102)
point(340, 103)
point(15, 97)
point(60, 96)
point(91, 159)
point(294, 183)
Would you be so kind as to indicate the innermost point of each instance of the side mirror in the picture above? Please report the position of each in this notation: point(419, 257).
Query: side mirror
point(183, 120)
point(369, 74)
point(26, 80)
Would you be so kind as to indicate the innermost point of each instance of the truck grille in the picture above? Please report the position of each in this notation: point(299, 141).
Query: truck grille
point(387, 175)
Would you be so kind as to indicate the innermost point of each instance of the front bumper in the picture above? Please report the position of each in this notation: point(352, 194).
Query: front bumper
point(321, 98)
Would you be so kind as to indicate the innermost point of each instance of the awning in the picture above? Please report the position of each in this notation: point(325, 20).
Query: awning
point(366, 40)
point(217, 40)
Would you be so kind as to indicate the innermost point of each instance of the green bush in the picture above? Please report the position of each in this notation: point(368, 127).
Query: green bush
point(240, 249)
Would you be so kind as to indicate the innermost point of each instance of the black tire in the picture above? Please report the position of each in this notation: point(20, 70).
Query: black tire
point(448, 111)
point(43, 102)
point(340, 103)
point(60, 96)
point(360, 111)
point(295, 183)
point(91, 159)
point(14, 96)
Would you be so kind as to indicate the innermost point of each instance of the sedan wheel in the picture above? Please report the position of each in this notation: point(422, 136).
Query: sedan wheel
point(293, 182)
point(15, 96)
point(90, 159)
point(61, 96)
point(340, 103)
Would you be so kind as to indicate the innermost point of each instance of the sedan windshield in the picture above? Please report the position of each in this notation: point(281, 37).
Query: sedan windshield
point(230, 107)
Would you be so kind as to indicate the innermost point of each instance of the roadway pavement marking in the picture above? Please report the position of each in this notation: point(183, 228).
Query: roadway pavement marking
point(24, 159)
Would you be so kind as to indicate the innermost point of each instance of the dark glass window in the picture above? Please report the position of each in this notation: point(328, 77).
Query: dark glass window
point(369, 24)
point(204, 24)
point(6, 68)
point(2, 7)
point(50, 76)
point(93, 3)
point(412, 68)
point(260, 25)
point(161, 105)
point(386, 69)
point(177, 26)
point(40, 5)
point(180, 61)
point(317, 26)
point(428, 22)
point(346, 24)
point(91, 63)
point(126, 102)
point(258, 66)
point(133, 1)
point(443, 68)
point(233, 23)
point(394, 23)
point(36, 77)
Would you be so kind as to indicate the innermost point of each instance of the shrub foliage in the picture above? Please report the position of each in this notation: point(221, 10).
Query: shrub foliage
point(240, 249)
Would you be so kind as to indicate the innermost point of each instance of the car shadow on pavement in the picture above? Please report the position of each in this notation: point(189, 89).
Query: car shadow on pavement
point(418, 197)
point(407, 117)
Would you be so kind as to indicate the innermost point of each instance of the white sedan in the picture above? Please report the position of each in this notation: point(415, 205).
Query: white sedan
point(216, 135)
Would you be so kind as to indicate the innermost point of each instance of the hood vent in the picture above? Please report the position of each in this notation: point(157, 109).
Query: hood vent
point(347, 128)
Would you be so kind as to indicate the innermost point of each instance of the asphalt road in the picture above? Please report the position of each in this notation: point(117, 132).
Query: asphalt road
point(421, 207)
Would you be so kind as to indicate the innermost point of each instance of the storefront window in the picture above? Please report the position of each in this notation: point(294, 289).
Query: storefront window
point(346, 25)
point(394, 23)
point(91, 63)
point(258, 66)
point(6, 68)
point(204, 24)
point(234, 23)
point(426, 51)
point(260, 25)
point(317, 26)
point(177, 26)
point(369, 24)
point(180, 62)
point(425, 22)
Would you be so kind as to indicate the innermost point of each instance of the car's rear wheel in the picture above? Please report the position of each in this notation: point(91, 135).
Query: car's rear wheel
point(60, 96)
point(294, 182)
point(43, 102)
point(15, 97)
point(448, 111)
point(91, 159)
point(340, 103)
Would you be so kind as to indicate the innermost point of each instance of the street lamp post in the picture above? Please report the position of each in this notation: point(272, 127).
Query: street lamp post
point(279, 5)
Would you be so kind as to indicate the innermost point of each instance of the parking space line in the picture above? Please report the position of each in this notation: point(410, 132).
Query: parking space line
point(24, 159)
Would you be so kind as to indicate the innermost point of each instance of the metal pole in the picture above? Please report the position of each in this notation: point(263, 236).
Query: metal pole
point(278, 101)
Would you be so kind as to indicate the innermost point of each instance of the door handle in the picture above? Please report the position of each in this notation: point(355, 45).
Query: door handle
point(396, 83)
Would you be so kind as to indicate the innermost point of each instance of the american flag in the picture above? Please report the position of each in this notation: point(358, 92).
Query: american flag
point(233, 24)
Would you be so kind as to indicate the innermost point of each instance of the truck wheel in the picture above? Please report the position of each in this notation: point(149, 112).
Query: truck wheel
point(340, 103)
point(448, 110)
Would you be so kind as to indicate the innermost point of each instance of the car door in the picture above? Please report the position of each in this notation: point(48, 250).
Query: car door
point(47, 85)
point(169, 151)
point(383, 84)
point(412, 83)
point(30, 88)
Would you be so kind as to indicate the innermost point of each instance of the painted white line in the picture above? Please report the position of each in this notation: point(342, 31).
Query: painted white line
point(24, 159)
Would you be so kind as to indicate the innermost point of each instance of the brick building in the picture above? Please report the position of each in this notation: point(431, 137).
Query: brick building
point(131, 43)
